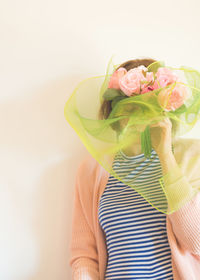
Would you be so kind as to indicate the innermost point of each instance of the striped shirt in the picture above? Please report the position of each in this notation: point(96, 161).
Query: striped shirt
point(136, 234)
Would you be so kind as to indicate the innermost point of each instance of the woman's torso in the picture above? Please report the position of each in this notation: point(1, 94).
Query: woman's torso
point(136, 235)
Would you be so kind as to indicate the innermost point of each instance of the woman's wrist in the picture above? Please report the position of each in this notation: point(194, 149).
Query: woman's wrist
point(170, 167)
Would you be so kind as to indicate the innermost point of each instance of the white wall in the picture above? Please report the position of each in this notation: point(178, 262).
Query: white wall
point(46, 48)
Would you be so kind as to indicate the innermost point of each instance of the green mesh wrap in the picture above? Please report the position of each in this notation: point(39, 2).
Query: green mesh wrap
point(136, 113)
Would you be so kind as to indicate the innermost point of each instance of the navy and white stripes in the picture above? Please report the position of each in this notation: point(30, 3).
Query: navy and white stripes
point(136, 235)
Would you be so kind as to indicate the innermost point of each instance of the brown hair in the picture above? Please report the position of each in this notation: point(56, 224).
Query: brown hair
point(106, 108)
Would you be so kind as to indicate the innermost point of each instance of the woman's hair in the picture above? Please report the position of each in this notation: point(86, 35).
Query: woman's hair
point(106, 108)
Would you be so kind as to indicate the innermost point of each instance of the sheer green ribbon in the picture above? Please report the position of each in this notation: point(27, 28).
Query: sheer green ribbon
point(133, 115)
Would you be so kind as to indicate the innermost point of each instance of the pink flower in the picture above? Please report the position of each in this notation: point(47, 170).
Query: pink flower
point(146, 87)
point(130, 82)
point(116, 76)
point(149, 76)
point(171, 102)
point(150, 87)
point(165, 76)
point(139, 81)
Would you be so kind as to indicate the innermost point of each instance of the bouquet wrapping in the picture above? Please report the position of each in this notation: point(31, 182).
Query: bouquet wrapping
point(138, 98)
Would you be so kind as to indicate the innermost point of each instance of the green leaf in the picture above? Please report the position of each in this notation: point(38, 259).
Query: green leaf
point(111, 93)
point(181, 109)
point(153, 67)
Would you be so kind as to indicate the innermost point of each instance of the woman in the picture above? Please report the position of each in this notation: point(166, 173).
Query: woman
point(116, 233)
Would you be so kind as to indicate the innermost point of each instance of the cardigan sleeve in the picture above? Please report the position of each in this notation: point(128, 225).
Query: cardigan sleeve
point(186, 220)
point(83, 250)
point(186, 225)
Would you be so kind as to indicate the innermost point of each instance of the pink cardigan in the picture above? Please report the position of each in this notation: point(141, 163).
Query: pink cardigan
point(88, 253)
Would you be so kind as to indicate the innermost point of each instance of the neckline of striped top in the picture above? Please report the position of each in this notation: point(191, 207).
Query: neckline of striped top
point(136, 158)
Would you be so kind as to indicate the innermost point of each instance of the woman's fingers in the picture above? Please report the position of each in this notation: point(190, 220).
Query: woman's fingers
point(161, 123)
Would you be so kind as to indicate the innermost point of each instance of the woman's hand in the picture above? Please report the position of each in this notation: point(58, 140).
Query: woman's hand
point(161, 137)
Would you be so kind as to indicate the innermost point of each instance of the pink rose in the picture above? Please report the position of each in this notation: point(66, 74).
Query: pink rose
point(142, 67)
point(175, 100)
point(150, 87)
point(116, 76)
point(165, 76)
point(146, 87)
point(149, 76)
point(130, 82)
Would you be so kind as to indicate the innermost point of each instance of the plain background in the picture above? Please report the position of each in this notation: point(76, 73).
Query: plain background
point(46, 48)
